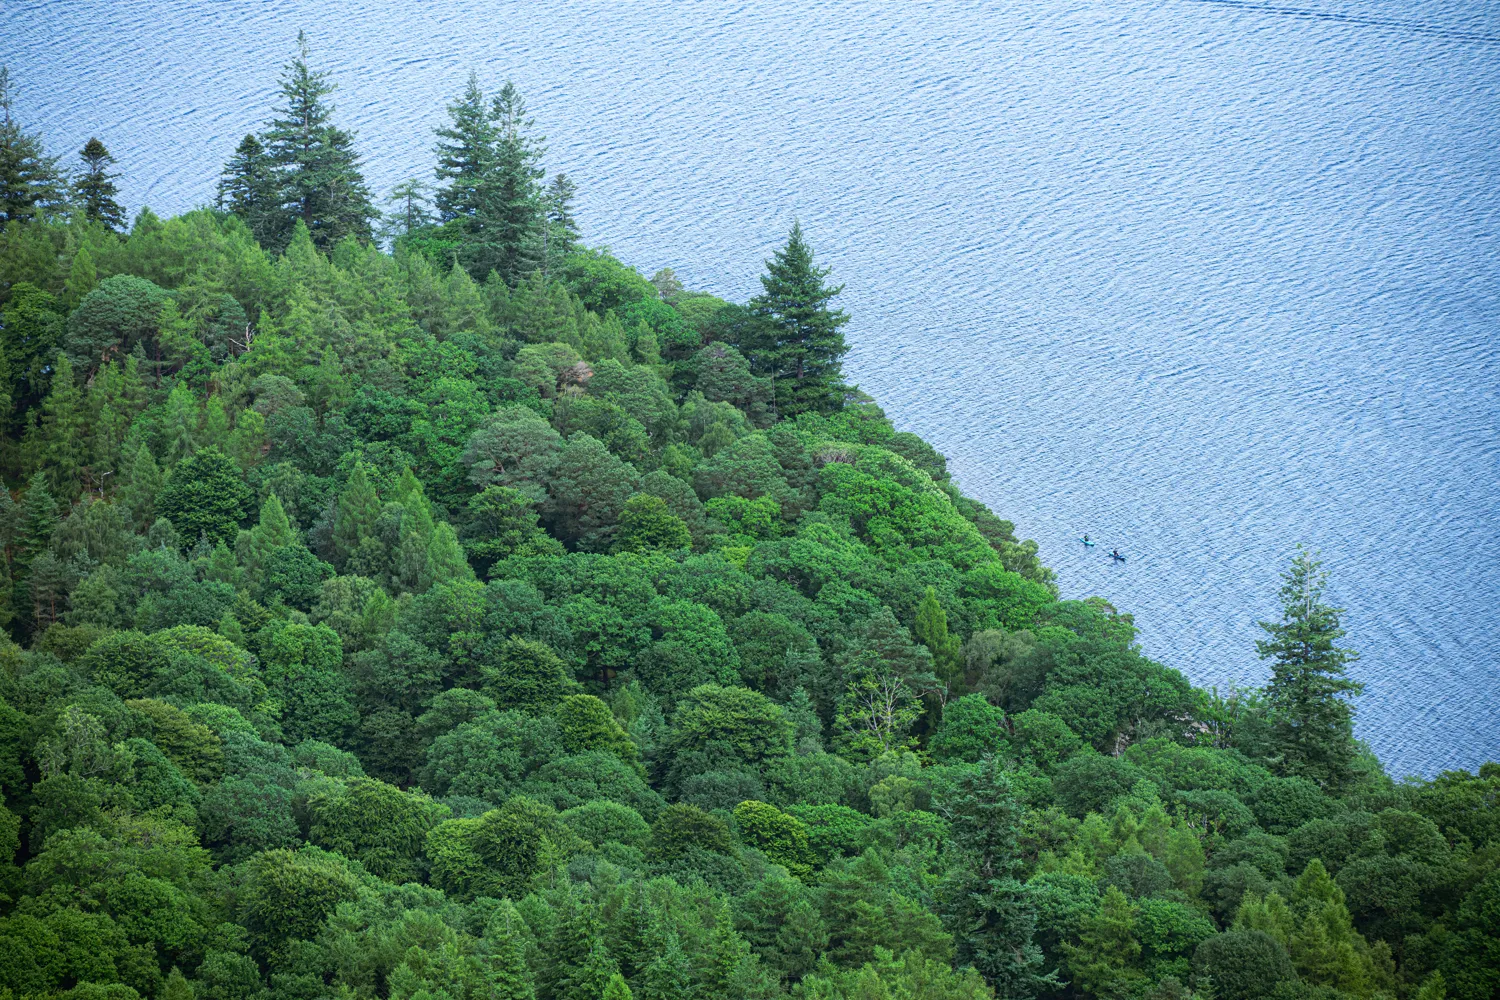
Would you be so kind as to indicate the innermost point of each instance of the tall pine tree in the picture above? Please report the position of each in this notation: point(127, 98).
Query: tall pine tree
point(248, 188)
point(465, 153)
point(803, 357)
point(1312, 722)
point(95, 188)
point(510, 210)
point(30, 180)
point(316, 167)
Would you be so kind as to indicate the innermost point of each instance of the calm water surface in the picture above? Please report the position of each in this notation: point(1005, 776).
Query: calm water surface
point(1202, 279)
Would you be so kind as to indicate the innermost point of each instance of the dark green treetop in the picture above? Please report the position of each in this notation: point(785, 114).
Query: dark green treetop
point(95, 188)
point(1312, 721)
point(805, 344)
point(316, 167)
point(30, 180)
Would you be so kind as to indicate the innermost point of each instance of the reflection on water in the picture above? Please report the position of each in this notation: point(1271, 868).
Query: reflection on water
point(1202, 278)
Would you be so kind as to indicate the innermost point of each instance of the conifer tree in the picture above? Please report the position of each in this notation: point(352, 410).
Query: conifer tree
point(510, 208)
point(355, 515)
point(619, 989)
point(574, 938)
point(176, 987)
point(509, 978)
point(1103, 960)
point(317, 171)
point(560, 194)
point(1325, 948)
point(1312, 722)
point(669, 975)
point(931, 629)
point(30, 180)
point(465, 153)
point(143, 481)
point(215, 429)
point(590, 980)
point(10, 518)
point(35, 523)
point(248, 188)
point(409, 209)
point(247, 442)
point(179, 424)
point(804, 358)
point(409, 570)
point(988, 909)
point(64, 431)
point(271, 532)
point(727, 952)
point(95, 188)
point(445, 562)
point(83, 277)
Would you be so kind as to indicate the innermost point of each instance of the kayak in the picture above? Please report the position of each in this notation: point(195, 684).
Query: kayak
point(1086, 542)
point(1116, 558)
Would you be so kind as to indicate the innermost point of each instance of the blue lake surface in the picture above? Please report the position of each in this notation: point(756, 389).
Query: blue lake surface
point(1201, 279)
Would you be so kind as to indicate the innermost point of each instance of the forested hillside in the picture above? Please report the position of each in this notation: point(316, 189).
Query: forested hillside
point(421, 604)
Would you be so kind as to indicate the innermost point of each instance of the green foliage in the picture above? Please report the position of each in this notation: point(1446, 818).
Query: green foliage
point(1311, 722)
point(1242, 964)
point(205, 495)
point(316, 185)
point(376, 824)
point(782, 838)
point(754, 702)
point(803, 343)
point(972, 728)
point(527, 675)
point(646, 525)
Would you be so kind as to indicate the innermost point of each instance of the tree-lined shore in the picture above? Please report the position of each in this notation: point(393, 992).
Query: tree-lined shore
point(403, 599)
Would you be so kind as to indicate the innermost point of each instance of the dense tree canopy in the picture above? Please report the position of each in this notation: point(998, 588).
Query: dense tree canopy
point(481, 619)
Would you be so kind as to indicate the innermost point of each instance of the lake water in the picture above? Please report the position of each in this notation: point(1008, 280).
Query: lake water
point(1201, 279)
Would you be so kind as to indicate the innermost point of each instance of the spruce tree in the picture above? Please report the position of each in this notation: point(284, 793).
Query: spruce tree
point(445, 561)
point(317, 170)
point(34, 523)
point(804, 357)
point(617, 989)
point(575, 937)
point(30, 180)
point(142, 482)
point(987, 907)
point(590, 980)
point(509, 978)
point(560, 194)
point(176, 987)
point(179, 424)
point(558, 234)
point(95, 188)
point(669, 975)
point(273, 531)
point(510, 208)
point(248, 188)
point(1312, 722)
point(465, 153)
point(355, 515)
